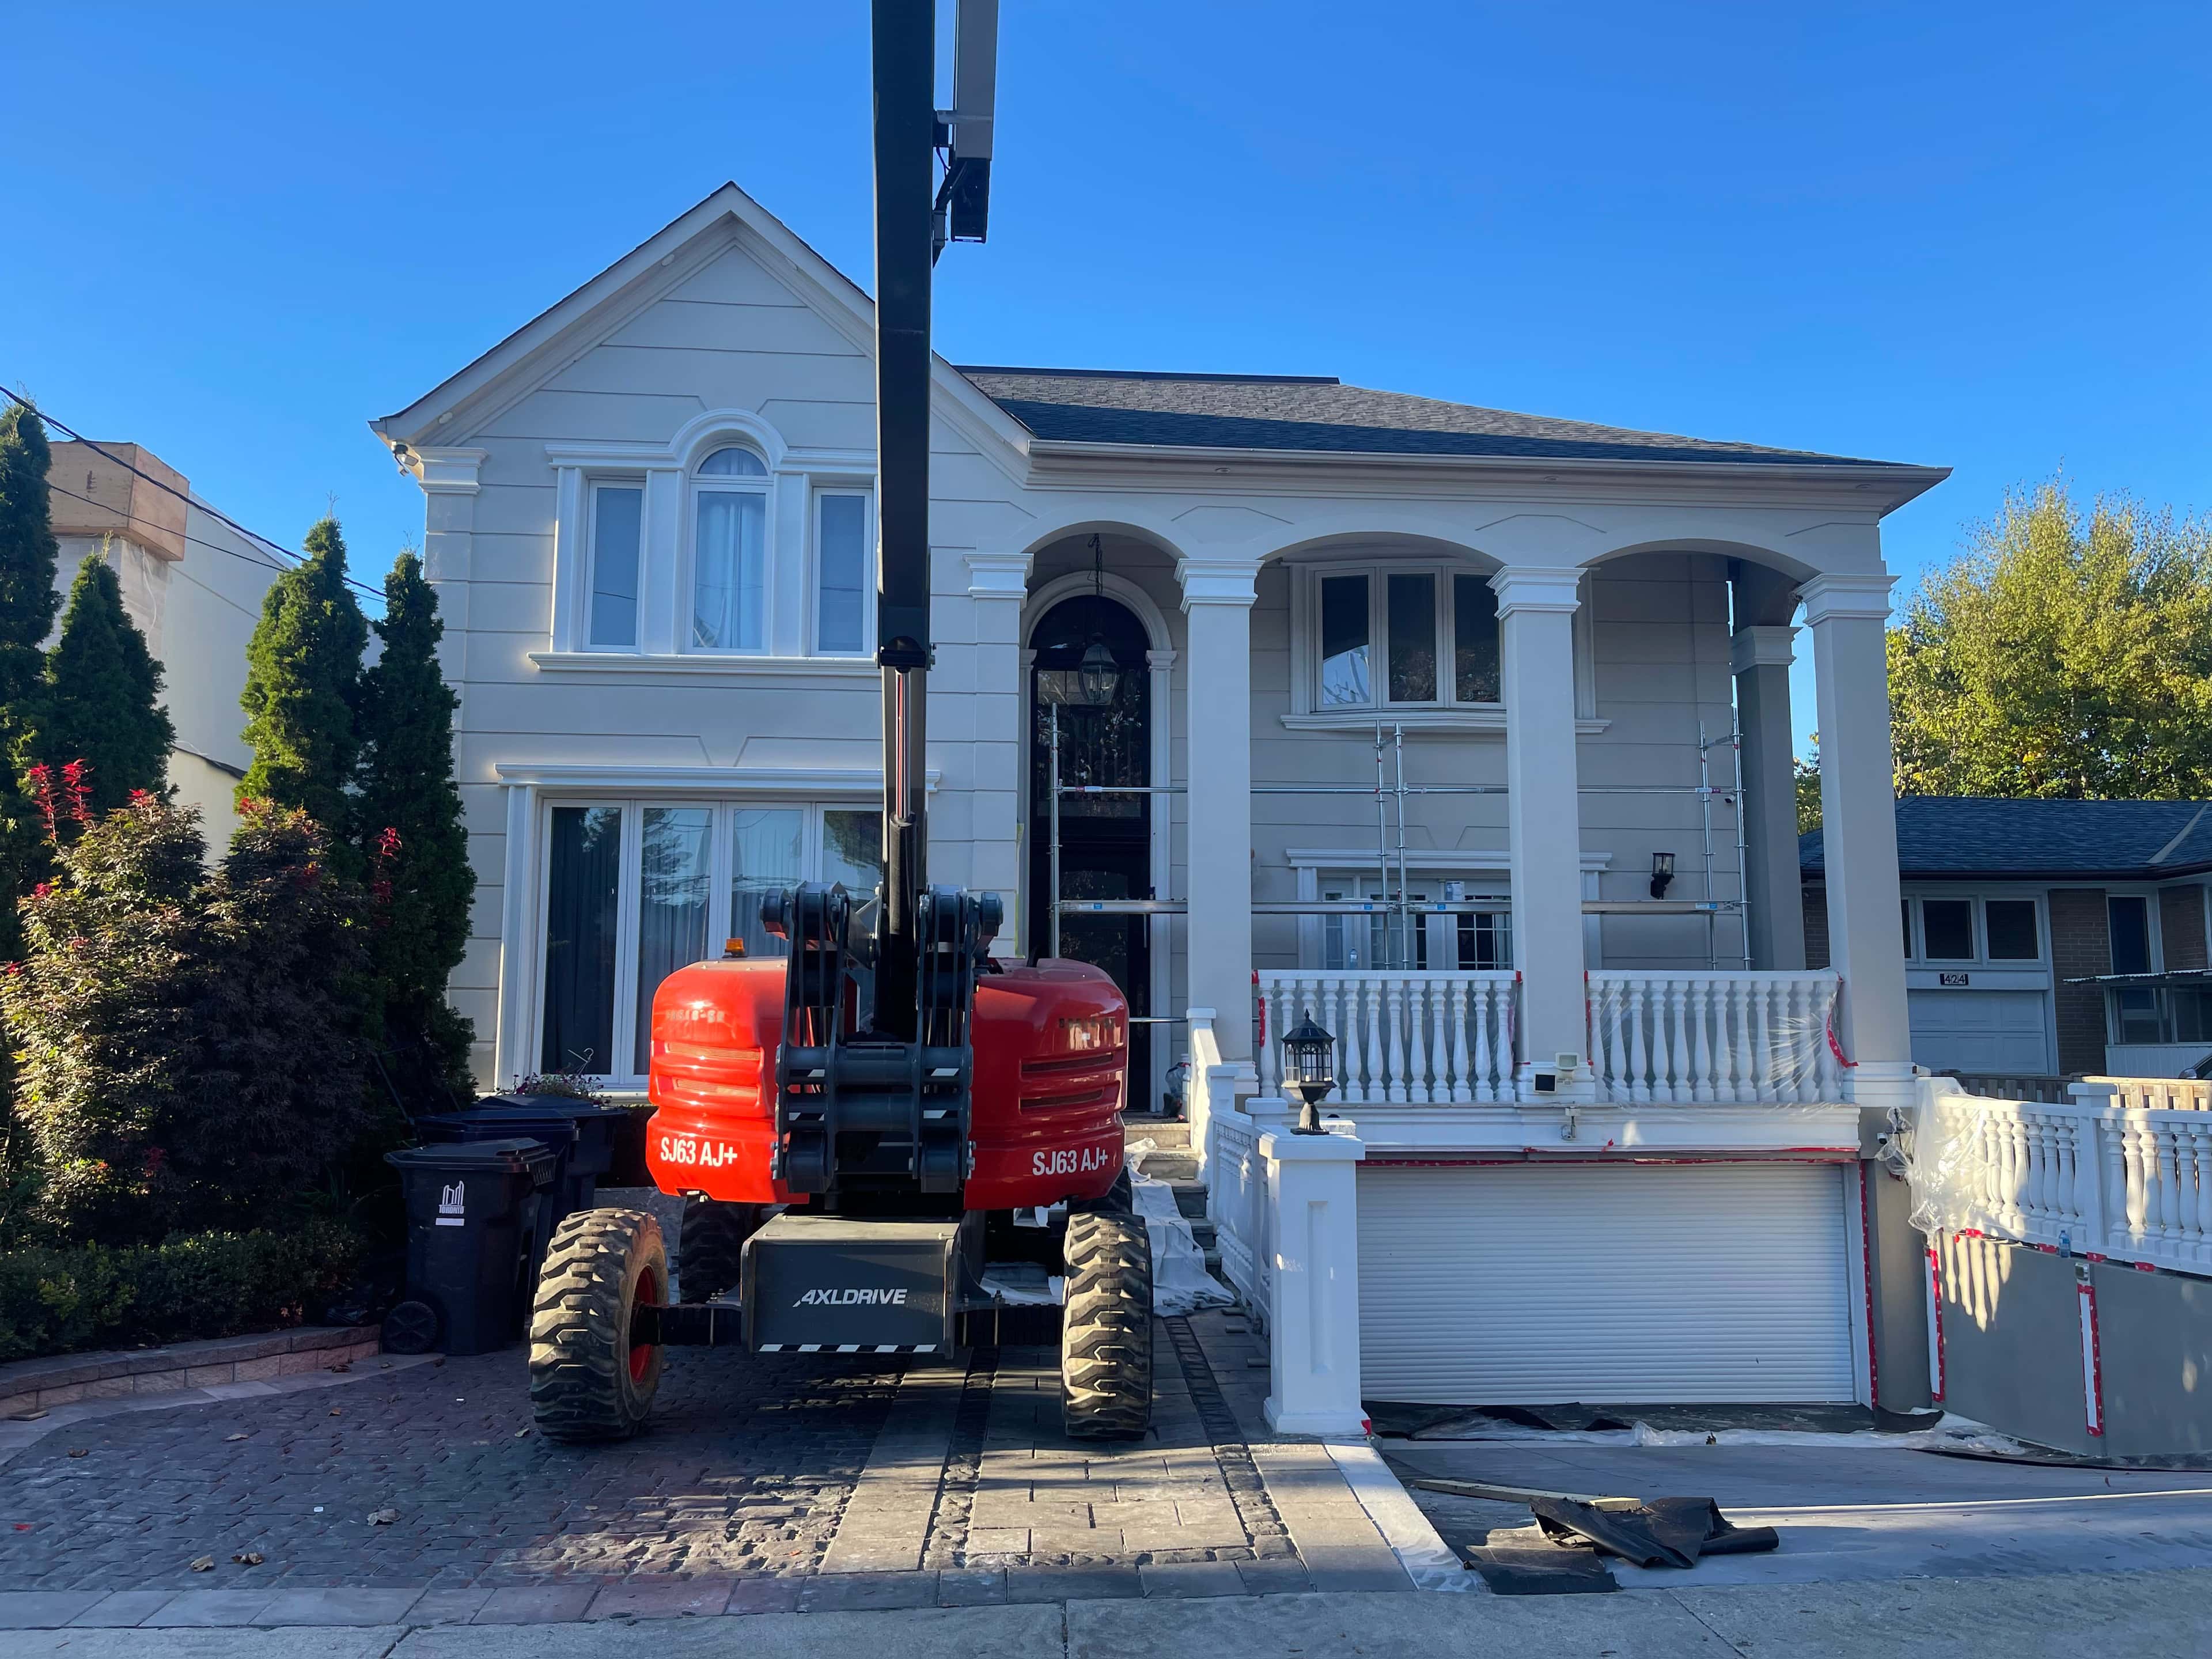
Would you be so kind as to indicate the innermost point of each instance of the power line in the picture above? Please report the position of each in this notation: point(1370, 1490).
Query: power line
point(159, 484)
point(213, 547)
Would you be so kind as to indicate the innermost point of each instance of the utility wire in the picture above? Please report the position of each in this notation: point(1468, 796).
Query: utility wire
point(161, 484)
point(213, 547)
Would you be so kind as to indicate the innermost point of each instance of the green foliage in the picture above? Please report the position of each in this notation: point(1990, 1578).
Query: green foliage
point(409, 812)
point(2064, 654)
point(1806, 775)
point(302, 686)
point(192, 1047)
point(103, 699)
point(193, 1286)
point(100, 1017)
point(29, 555)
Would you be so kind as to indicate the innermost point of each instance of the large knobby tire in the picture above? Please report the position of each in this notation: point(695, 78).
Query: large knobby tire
point(588, 1380)
point(711, 1247)
point(1106, 1327)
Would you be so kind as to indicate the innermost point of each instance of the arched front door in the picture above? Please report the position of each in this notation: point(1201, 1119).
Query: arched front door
point(1105, 840)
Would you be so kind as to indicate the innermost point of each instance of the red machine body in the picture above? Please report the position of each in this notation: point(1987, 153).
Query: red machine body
point(1051, 1053)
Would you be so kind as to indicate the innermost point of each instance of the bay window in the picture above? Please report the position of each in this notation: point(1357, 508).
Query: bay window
point(636, 889)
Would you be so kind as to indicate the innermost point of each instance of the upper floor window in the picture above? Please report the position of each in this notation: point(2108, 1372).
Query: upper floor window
point(729, 553)
point(1395, 638)
point(844, 590)
point(617, 531)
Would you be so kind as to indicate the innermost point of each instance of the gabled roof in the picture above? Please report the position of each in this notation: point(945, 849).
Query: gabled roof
point(1319, 413)
point(541, 346)
point(1962, 837)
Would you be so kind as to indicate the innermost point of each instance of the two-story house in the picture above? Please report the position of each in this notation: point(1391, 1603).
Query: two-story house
point(1415, 714)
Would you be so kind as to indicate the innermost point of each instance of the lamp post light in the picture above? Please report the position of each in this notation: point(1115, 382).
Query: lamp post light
point(1308, 1075)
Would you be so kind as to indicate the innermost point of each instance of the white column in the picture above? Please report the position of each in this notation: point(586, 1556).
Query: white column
point(1217, 598)
point(1535, 619)
point(1848, 616)
point(1761, 657)
point(997, 584)
point(1313, 1324)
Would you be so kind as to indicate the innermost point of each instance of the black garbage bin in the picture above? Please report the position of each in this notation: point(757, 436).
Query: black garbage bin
point(572, 1182)
point(473, 1215)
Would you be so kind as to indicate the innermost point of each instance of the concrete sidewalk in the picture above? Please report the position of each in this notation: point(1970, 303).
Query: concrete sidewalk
point(2135, 1615)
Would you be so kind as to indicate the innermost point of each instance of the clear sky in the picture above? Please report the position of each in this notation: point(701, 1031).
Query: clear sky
point(1974, 236)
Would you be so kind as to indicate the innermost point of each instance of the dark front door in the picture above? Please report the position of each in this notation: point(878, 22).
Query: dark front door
point(1105, 840)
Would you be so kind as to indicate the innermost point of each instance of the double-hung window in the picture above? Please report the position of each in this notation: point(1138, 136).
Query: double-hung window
point(1381, 939)
point(729, 553)
point(1389, 639)
point(637, 889)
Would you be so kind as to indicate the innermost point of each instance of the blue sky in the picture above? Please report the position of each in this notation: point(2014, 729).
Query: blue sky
point(1970, 234)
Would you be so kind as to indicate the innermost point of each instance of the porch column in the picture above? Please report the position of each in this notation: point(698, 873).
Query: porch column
point(997, 584)
point(1535, 624)
point(1848, 616)
point(1217, 599)
point(1772, 884)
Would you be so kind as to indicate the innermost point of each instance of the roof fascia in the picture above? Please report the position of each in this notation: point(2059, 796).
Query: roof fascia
point(1889, 484)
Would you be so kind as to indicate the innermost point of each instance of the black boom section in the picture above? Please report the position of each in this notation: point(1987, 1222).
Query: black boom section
point(856, 1107)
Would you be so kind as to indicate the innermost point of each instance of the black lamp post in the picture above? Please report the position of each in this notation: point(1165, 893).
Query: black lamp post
point(1307, 1076)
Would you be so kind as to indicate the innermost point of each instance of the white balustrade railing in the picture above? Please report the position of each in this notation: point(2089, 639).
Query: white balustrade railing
point(2129, 1183)
point(1422, 1038)
point(1683, 1038)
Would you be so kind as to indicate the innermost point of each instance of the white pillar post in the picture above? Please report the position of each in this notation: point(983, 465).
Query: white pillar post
point(1536, 620)
point(997, 585)
point(1217, 599)
point(1313, 1323)
point(1848, 616)
point(1760, 656)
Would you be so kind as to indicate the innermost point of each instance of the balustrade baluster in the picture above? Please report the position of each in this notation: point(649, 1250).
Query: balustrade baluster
point(2200, 1143)
point(1416, 1055)
point(1679, 1086)
point(1480, 997)
point(1636, 996)
point(1463, 1007)
point(1378, 1057)
point(1698, 1000)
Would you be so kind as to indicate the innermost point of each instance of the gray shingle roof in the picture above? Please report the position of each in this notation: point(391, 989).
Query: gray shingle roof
point(1960, 837)
point(1318, 414)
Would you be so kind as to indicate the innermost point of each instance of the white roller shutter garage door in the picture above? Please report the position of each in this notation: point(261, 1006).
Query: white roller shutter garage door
point(1538, 1284)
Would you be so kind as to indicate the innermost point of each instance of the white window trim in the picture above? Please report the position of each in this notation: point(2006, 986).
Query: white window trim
point(1444, 715)
point(623, 1039)
point(820, 486)
point(668, 470)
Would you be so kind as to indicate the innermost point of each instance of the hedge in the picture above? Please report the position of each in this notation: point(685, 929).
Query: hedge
point(192, 1286)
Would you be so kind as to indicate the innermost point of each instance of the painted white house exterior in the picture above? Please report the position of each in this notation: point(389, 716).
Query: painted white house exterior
point(647, 524)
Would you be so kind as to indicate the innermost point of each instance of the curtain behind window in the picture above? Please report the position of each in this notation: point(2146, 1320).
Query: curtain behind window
point(729, 574)
point(671, 911)
point(583, 899)
point(764, 860)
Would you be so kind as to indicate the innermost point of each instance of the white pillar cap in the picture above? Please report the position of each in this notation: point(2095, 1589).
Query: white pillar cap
point(1830, 598)
point(1535, 587)
point(1763, 645)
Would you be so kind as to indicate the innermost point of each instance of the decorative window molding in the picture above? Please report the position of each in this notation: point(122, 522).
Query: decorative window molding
point(674, 480)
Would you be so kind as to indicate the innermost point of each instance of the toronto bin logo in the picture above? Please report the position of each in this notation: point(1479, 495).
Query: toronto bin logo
point(452, 1205)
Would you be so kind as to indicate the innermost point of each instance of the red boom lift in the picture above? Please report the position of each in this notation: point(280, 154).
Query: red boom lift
point(862, 1130)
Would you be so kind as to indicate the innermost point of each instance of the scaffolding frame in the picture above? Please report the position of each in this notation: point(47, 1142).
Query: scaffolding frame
point(1395, 902)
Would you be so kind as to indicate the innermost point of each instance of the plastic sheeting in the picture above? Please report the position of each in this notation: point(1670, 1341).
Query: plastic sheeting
point(1181, 1284)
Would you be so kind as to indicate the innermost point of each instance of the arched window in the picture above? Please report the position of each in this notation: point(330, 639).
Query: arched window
point(729, 552)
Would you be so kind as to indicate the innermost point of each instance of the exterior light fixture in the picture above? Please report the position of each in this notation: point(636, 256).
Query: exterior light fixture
point(1662, 873)
point(1098, 676)
point(1308, 1074)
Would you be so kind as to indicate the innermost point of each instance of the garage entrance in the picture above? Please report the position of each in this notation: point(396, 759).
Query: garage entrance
point(1540, 1283)
point(2003, 1033)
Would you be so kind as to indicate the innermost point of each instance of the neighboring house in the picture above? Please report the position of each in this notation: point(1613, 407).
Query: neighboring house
point(2048, 937)
point(192, 585)
point(649, 522)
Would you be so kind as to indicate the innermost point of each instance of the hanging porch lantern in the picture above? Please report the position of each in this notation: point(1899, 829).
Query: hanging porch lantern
point(1309, 1071)
point(1098, 677)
